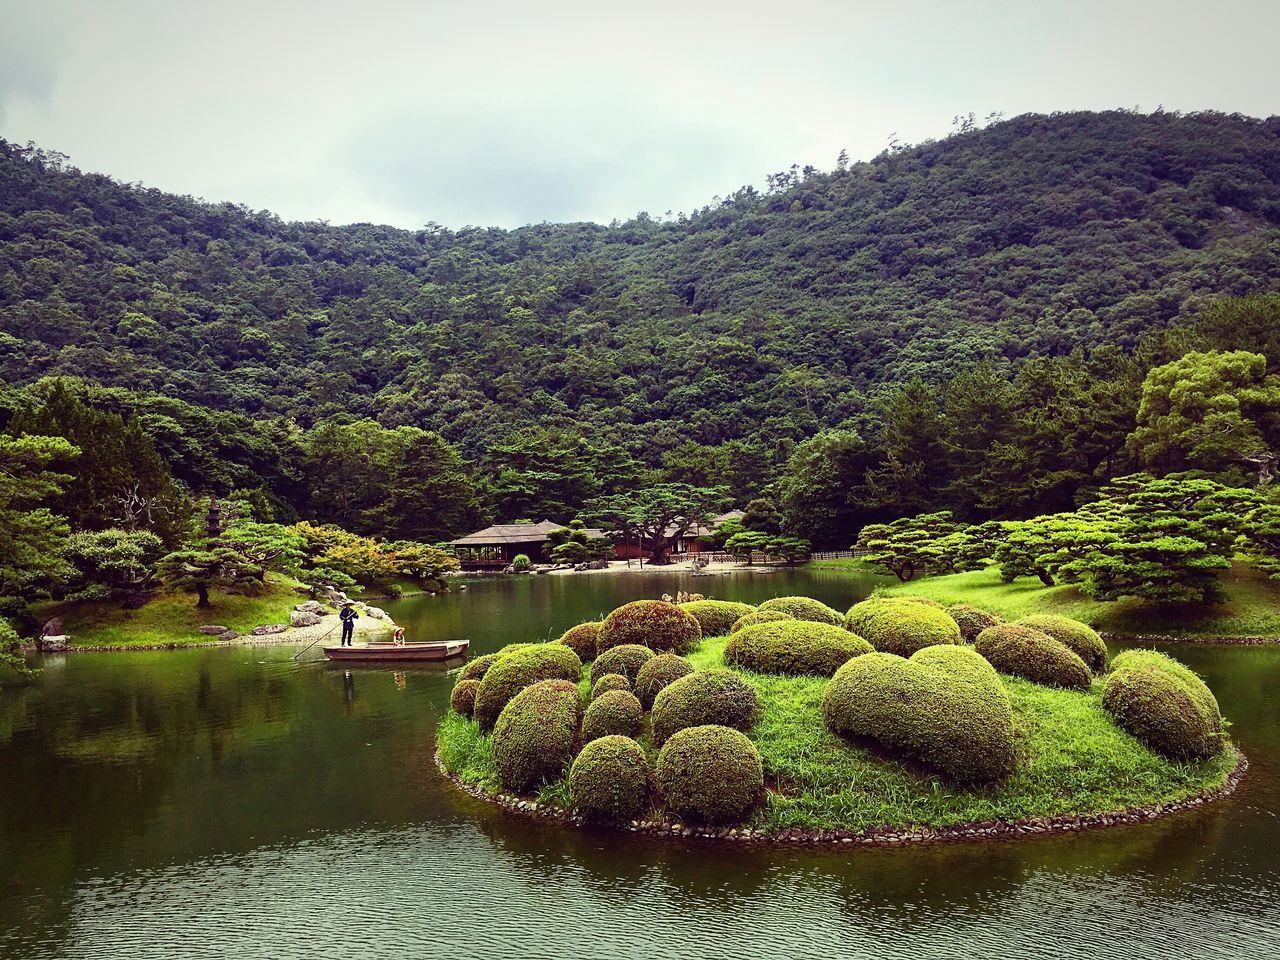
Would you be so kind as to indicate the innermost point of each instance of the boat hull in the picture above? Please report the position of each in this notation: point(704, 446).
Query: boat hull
point(398, 653)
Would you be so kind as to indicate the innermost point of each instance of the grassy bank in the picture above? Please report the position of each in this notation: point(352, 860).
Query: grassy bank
point(1252, 607)
point(1073, 760)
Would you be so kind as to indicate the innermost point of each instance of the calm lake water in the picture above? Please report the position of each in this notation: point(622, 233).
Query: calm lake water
point(233, 803)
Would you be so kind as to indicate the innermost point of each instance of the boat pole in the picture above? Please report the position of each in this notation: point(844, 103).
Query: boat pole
point(315, 641)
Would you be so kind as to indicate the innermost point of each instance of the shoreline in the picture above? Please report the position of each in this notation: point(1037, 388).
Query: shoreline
point(294, 635)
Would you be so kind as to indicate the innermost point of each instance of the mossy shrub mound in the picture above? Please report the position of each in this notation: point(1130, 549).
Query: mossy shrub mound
point(794, 646)
point(463, 698)
point(704, 697)
point(1029, 653)
point(945, 706)
point(759, 616)
point(655, 624)
point(657, 674)
point(515, 670)
point(972, 620)
point(582, 639)
point(901, 625)
point(716, 617)
point(803, 608)
point(614, 712)
point(1163, 704)
point(1080, 638)
point(626, 660)
point(610, 779)
point(610, 681)
point(477, 668)
point(534, 738)
point(711, 774)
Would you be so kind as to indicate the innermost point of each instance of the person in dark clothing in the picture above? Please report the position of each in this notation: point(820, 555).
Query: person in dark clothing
point(348, 616)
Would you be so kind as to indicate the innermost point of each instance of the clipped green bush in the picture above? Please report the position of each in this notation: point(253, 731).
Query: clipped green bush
point(710, 774)
point(1078, 637)
point(521, 563)
point(582, 640)
point(610, 681)
point(609, 780)
point(655, 624)
point(704, 697)
point(901, 625)
point(1163, 704)
point(658, 673)
point(759, 616)
point(477, 668)
point(463, 698)
point(613, 712)
point(1033, 655)
point(945, 706)
point(794, 646)
point(972, 620)
point(715, 617)
point(534, 737)
point(803, 608)
point(516, 669)
point(626, 660)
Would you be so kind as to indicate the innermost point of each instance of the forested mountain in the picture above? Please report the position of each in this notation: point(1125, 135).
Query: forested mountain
point(712, 342)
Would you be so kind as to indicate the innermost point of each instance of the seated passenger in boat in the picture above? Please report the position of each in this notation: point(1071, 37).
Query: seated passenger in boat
point(398, 637)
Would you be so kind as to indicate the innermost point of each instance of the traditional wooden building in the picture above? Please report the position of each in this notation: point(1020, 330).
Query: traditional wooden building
point(495, 547)
point(693, 540)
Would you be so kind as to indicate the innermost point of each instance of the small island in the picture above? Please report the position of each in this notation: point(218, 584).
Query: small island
point(897, 721)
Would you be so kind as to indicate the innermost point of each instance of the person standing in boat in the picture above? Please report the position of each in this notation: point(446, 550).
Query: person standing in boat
point(348, 616)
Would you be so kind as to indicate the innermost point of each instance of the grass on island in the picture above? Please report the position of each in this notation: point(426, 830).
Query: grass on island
point(1072, 759)
point(1251, 609)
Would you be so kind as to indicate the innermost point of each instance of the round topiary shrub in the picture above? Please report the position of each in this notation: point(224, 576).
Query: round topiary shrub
point(715, 617)
point(463, 698)
point(901, 625)
point(1078, 637)
point(654, 624)
point(657, 674)
point(610, 681)
point(534, 737)
point(521, 563)
point(972, 620)
point(609, 780)
point(517, 669)
point(613, 712)
point(1163, 704)
point(626, 660)
point(794, 646)
point(802, 608)
point(945, 706)
point(582, 640)
point(704, 697)
point(477, 668)
point(759, 616)
point(711, 774)
point(1028, 653)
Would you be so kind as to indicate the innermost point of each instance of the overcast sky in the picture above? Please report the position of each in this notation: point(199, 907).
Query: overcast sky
point(504, 113)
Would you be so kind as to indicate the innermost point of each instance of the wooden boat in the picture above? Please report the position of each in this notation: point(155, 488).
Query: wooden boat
point(399, 652)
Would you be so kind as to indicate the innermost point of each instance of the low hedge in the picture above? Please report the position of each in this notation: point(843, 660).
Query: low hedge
point(794, 646)
point(463, 698)
point(715, 617)
point(626, 660)
point(610, 681)
point(1078, 637)
point(655, 624)
point(609, 780)
point(759, 616)
point(901, 625)
point(1163, 704)
point(803, 608)
point(656, 674)
point(945, 706)
point(704, 697)
point(710, 774)
point(534, 737)
point(582, 639)
point(477, 668)
point(613, 712)
point(972, 620)
point(516, 669)
point(1033, 655)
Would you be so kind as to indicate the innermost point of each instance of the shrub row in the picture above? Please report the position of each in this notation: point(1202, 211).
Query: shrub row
point(518, 668)
point(704, 697)
point(803, 608)
point(655, 624)
point(715, 617)
point(1027, 652)
point(901, 625)
point(794, 646)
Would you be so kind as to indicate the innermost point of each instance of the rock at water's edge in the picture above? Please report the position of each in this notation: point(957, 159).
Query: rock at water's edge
point(302, 618)
point(212, 629)
point(269, 628)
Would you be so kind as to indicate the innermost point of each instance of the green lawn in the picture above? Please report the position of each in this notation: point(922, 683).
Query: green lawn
point(1252, 608)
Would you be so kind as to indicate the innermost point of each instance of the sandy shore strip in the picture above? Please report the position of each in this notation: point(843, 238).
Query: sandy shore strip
point(327, 631)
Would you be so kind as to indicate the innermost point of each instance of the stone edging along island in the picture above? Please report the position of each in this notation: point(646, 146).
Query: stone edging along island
point(878, 836)
point(1143, 638)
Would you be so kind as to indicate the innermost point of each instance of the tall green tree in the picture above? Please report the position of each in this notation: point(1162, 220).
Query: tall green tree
point(31, 534)
point(657, 515)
